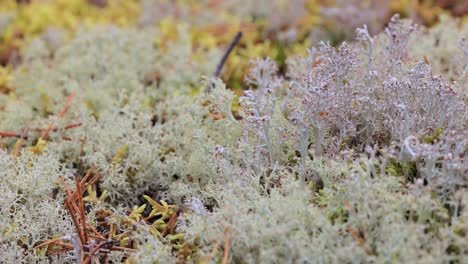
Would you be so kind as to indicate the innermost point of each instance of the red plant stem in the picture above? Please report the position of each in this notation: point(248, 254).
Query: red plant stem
point(60, 115)
point(171, 223)
point(69, 192)
point(47, 242)
point(92, 181)
point(10, 134)
point(82, 140)
point(96, 232)
point(75, 222)
point(71, 196)
point(226, 245)
point(215, 249)
point(92, 252)
point(20, 142)
point(81, 211)
point(55, 252)
point(360, 241)
point(123, 249)
point(63, 244)
point(88, 173)
point(65, 127)
point(95, 237)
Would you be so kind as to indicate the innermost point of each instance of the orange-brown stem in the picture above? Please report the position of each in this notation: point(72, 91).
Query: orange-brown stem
point(75, 222)
point(123, 249)
point(70, 195)
point(171, 223)
point(92, 181)
point(10, 134)
point(360, 241)
point(215, 249)
point(54, 129)
point(96, 232)
point(63, 244)
point(60, 115)
point(93, 251)
point(88, 173)
point(81, 207)
point(19, 144)
point(226, 245)
point(47, 243)
point(55, 252)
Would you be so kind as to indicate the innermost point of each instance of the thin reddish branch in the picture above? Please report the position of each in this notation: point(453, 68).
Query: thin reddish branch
point(93, 251)
point(96, 232)
point(360, 241)
point(75, 222)
point(123, 249)
point(77, 213)
point(47, 242)
point(88, 173)
point(69, 192)
point(81, 211)
point(227, 232)
point(92, 181)
point(171, 223)
point(82, 140)
point(10, 134)
point(55, 252)
point(19, 144)
point(54, 129)
point(63, 244)
point(70, 195)
point(60, 115)
point(215, 249)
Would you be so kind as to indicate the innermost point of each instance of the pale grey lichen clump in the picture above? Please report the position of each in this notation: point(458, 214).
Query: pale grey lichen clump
point(356, 155)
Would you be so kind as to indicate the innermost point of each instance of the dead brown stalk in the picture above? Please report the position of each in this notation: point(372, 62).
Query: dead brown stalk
point(227, 235)
point(87, 233)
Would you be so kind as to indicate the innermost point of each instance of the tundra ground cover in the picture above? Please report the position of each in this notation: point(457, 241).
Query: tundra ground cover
point(313, 145)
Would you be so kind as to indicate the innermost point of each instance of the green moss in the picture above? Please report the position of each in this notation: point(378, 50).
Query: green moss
point(405, 169)
point(432, 138)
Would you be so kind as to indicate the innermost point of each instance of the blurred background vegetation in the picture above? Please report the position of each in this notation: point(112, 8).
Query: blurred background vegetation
point(276, 28)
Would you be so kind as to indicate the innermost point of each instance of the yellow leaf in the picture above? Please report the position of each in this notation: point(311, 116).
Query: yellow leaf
point(121, 154)
point(39, 147)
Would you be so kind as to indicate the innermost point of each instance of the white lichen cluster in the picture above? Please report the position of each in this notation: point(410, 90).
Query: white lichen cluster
point(356, 154)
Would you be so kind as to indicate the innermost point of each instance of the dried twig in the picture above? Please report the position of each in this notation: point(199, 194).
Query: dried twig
point(226, 245)
point(88, 241)
point(94, 250)
point(220, 65)
point(54, 129)
point(51, 241)
point(43, 130)
point(227, 235)
point(75, 222)
point(360, 239)
point(81, 207)
point(231, 46)
point(171, 223)
point(10, 134)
